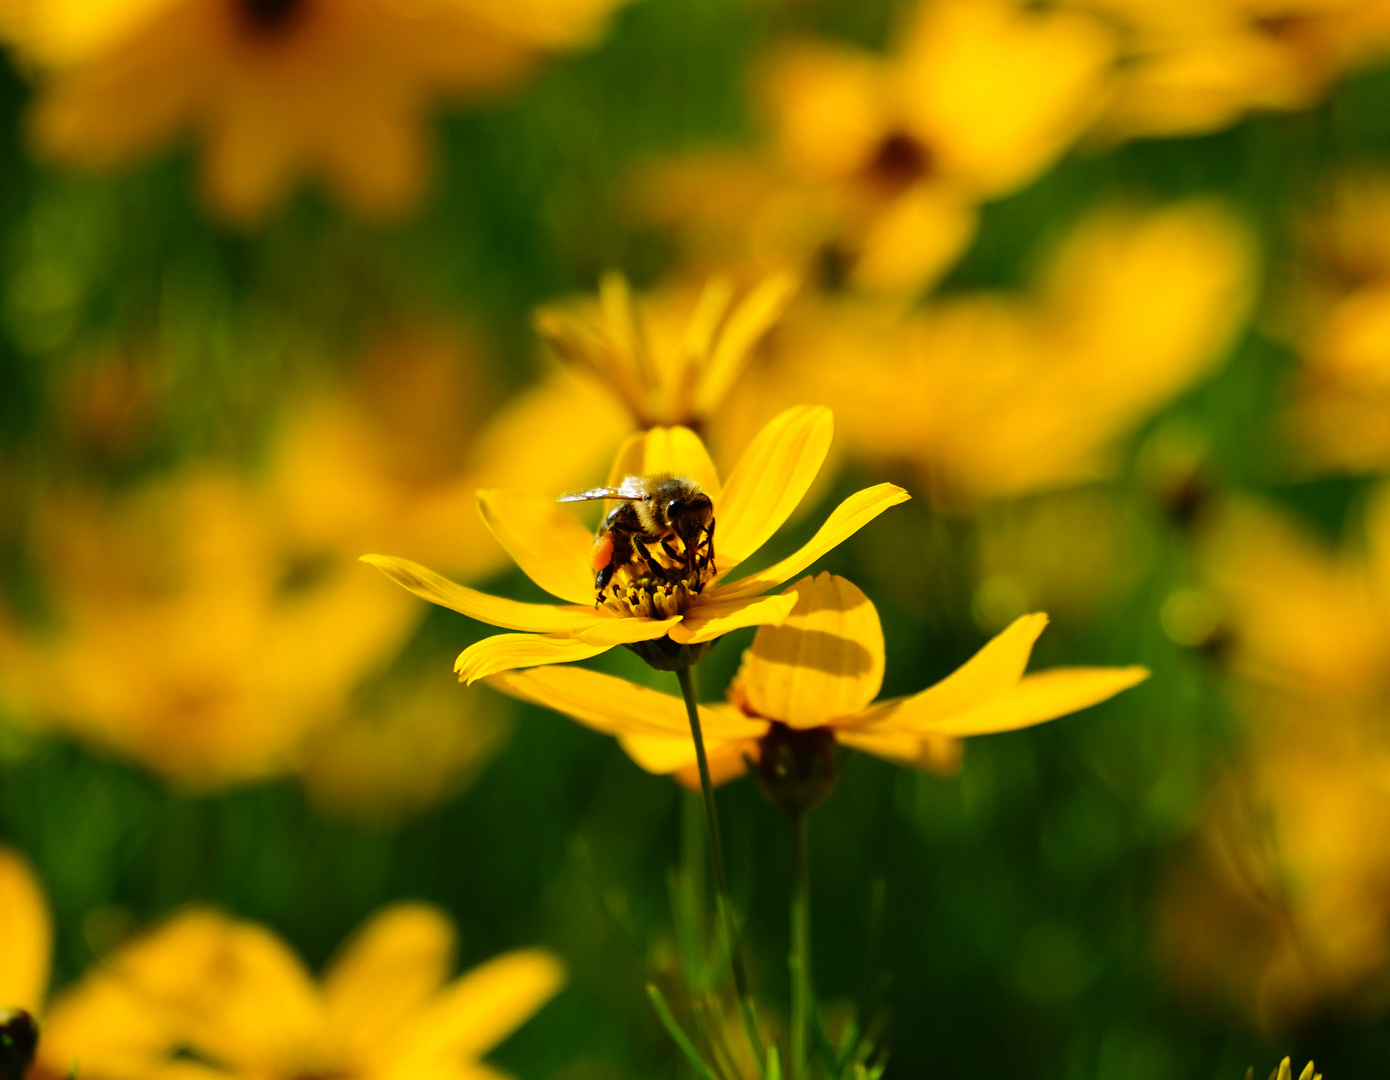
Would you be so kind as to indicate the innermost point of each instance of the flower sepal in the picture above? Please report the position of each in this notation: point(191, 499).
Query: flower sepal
point(796, 767)
point(663, 654)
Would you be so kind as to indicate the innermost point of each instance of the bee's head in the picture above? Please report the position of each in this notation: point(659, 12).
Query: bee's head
point(19, 1038)
point(688, 514)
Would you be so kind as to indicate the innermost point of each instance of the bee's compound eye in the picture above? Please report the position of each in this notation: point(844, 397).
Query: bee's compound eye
point(19, 1038)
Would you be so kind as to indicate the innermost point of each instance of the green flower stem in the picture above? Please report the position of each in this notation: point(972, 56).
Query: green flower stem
point(799, 960)
point(721, 876)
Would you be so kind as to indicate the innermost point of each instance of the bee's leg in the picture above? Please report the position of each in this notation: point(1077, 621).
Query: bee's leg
point(670, 551)
point(708, 546)
point(641, 549)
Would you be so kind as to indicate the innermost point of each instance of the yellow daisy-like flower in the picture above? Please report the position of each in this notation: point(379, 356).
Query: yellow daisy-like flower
point(675, 361)
point(880, 162)
point(241, 1004)
point(993, 394)
point(810, 684)
point(98, 1023)
point(1336, 313)
point(670, 620)
point(1194, 66)
point(206, 997)
point(276, 89)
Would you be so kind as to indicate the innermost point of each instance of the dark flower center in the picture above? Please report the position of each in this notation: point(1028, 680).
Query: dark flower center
point(796, 766)
point(898, 162)
point(270, 16)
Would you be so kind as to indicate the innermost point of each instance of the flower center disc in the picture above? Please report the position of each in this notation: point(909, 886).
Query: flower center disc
point(659, 586)
point(270, 17)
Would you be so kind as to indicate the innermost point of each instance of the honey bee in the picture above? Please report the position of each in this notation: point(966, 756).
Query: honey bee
point(652, 512)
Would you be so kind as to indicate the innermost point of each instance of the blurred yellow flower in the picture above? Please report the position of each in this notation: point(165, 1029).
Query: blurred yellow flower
point(1282, 909)
point(1193, 66)
point(556, 552)
point(187, 635)
point(1299, 616)
point(880, 161)
point(97, 1024)
point(393, 455)
point(239, 1003)
point(215, 625)
point(810, 683)
point(994, 395)
point(205, 996)
point(1337, 315)
point(674, 361)
point(275, 90)
point(406, 741)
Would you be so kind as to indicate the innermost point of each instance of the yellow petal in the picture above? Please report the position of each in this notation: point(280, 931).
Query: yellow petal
point(999, 89)
point(824, 662)
point(914, 239)
point(846, 520)
point(937, 753)
point(231, 990)
point(1035, 699)
point(389, 969)
point(549, 544)
point(27, 936)
point(993, 670)
point(773, 475)
point(675, 450)
point(483, 1007)
point(617, 707)
point(748, 322)
point(103, 1026)
point(494, 610)
point(621, 630)
point(663, 755)
point(505, 652)
point(707, 621)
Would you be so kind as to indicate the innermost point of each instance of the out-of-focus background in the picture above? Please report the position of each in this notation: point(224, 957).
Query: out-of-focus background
point(1104, 283)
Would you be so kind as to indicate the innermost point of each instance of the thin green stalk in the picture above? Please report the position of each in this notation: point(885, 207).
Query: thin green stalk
point(721, 876)
point(799, 960)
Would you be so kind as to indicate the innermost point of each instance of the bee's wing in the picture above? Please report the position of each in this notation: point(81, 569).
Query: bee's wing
point(590, 494)
point(630, 489)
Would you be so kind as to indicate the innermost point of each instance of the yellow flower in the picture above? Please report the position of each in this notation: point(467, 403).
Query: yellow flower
point(186, 634)
point(810, 683)
point(1337, 315)
point(241, 1004)
point(216, 627)
point(673, 362)
point(1194, 66)
point(205, 996)
point(1281, 910)
point(995, 395)
point(99, 1023)
point(881, 161)
point(555, 551)
point(336, 90)
point(408, 742)
point(393, 454)
point(1301, 617)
